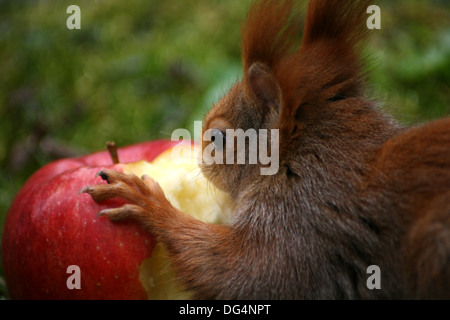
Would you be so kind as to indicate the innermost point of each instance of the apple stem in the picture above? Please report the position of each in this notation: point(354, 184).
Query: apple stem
point(112, 149)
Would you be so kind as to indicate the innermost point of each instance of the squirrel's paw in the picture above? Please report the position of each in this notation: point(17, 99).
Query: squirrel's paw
point(144, 196)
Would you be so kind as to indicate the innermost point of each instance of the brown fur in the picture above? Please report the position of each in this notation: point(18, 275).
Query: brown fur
point(353, 189)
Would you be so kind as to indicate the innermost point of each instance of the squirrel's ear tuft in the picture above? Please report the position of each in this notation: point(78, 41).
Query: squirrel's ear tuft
point(262, 88)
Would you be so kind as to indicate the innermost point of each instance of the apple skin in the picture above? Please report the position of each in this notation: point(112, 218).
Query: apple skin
point(50, 226)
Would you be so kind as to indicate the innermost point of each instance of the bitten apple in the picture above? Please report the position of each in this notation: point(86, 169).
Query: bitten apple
point(50, 227)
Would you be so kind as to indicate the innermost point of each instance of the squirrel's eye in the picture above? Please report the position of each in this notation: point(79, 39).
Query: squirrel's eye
point(218, 138)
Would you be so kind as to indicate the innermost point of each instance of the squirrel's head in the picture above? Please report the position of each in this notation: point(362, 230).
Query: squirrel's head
point(297, 93)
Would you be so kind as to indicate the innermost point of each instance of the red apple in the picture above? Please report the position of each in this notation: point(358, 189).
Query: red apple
point(49, 227)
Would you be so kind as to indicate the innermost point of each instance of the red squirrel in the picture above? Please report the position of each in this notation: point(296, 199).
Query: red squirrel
point(353, 188)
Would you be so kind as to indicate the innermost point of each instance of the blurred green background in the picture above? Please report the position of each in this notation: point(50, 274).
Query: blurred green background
point(139, 69)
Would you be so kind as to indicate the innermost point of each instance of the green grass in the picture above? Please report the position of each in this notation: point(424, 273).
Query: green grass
point(139, 69)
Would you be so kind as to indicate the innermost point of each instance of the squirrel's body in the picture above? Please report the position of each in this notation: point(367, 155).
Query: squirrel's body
point(353, 188)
